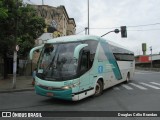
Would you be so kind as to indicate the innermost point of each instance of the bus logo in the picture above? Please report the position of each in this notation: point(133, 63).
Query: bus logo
point(100, 69)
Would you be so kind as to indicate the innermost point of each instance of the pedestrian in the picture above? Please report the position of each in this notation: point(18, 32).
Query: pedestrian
point(33, 75)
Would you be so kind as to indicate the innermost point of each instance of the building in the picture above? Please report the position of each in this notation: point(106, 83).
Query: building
point(148, 60)
point(142, 59)
point(57, 20)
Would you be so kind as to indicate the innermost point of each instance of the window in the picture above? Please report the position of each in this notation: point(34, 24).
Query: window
point(84, 62)
point(92, 47)
point(64, 23)
point(124, 57)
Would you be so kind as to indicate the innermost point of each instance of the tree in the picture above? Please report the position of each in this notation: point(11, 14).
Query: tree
point(3, 11)
point(18, 25)
point(30, 28)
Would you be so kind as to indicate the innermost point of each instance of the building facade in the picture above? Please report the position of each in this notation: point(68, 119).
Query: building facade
point(148, 61)
point(57, 20)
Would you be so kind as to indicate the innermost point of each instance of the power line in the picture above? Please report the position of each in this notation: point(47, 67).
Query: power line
point(130, 30)
point(144, 25)
point(145, 30)
point(79, 26)
point(105, 28)
point(80, 32)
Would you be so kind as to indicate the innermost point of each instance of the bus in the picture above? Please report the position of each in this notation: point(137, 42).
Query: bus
point(75, 67)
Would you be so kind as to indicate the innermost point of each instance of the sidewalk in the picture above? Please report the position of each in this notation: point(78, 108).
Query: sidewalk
point(23, 83)
point(148, 69)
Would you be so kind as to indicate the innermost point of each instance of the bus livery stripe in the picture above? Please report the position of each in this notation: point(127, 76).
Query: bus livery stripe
point(111, 60)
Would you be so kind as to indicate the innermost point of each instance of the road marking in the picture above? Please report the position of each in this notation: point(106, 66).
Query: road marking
point(141, 73)
point(138, 86)
point(127, 87)
point(116, 88)
point(155, 83)
point(149, 85)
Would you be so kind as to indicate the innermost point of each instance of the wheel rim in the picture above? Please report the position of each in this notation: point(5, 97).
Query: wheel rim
point(98, 89)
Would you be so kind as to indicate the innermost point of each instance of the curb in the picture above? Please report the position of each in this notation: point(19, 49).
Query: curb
point(17, 90)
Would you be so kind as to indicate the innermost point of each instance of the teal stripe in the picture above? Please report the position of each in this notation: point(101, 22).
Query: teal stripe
point(111, 60)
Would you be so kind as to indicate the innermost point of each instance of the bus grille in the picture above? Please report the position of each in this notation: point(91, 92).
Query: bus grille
point(49, 88)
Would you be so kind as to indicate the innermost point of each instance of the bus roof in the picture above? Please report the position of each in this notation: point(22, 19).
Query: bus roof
point(73, 38)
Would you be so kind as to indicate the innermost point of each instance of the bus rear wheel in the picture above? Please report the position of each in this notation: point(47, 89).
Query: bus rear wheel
point(98, 88)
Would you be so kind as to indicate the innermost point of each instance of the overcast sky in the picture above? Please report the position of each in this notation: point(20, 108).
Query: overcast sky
point(113, 14)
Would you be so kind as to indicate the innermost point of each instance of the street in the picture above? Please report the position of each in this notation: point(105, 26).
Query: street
point(140, 94)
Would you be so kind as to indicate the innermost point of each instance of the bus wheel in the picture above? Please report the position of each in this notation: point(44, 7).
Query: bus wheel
point(99, 88)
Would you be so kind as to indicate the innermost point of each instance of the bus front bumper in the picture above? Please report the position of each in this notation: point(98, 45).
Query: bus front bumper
point(60, 94)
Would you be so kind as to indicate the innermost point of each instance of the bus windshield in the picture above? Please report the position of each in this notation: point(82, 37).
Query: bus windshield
point(57, 61)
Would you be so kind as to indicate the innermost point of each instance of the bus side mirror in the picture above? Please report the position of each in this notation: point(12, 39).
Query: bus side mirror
point(32, 51)
point(78, 49)
point(123, 31)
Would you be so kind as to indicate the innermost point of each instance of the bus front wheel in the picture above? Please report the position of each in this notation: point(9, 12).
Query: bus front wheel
point(98, 88)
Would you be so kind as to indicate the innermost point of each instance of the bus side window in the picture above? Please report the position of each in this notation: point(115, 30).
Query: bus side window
point(84, 66)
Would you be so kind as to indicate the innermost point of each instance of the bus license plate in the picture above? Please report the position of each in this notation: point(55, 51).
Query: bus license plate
point(49, 94)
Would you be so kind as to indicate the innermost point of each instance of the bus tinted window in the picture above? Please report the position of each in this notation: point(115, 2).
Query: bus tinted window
point(84, 62)
point(124, 57)
point(92, 46)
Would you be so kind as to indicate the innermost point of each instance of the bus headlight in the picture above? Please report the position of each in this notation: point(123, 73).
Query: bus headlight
point(70, 86)
point(66, 87)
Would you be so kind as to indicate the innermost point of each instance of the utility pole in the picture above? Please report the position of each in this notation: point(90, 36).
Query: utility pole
point(151, 56)
point(88, 17)
point(14, 69)
point(16, 48)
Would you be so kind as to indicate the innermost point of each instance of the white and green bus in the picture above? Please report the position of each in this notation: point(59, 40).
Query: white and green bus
point(75, 67)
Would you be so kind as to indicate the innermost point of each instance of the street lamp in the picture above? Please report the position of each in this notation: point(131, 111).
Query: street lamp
point(116, 31)
point(151, 55)
point(123, 32)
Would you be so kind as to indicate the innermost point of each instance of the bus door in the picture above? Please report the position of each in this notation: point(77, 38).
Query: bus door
point(84, 66)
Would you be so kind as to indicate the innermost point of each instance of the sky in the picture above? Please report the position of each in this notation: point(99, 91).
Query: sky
point(142, 18)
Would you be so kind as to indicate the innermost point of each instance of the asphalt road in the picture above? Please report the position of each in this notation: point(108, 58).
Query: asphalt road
point(142, 93)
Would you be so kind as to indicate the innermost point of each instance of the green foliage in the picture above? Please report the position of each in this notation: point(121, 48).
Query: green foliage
point(18, 25)
point(3, 11)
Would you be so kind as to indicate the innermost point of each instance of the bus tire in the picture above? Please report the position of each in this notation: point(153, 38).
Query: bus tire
point(98, 88)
